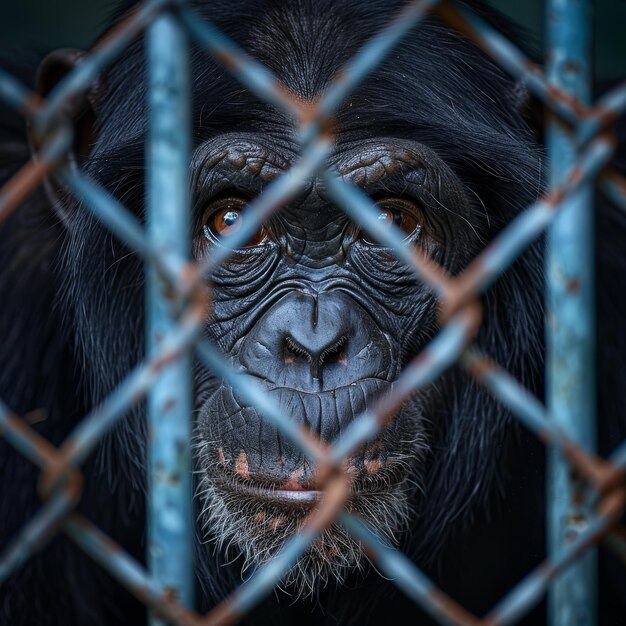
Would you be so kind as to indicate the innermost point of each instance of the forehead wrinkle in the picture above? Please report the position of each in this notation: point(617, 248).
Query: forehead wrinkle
point(237, 159)
point(378, 160)
point(224, 148)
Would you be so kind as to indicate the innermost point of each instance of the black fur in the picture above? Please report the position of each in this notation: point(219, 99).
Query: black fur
point(71, 322)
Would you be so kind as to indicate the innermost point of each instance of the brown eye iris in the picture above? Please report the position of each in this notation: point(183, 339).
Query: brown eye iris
point(225, 217)
point(399, 211)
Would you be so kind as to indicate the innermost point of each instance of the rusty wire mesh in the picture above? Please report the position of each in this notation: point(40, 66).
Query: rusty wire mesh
point(458, 295)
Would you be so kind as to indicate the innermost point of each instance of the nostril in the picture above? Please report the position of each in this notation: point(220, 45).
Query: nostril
point(294, 352)
point(334, 353)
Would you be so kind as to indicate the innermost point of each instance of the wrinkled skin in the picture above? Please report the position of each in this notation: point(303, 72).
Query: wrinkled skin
point(325, 335)
point(319, 314)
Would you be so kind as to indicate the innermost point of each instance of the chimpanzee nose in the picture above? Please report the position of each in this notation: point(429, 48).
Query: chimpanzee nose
point(314, 342)
point(316, 348)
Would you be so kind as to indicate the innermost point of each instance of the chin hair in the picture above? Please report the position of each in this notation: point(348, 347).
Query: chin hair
point(252, 532)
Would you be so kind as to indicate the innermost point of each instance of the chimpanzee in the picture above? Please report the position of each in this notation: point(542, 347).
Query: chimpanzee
point(318, 312)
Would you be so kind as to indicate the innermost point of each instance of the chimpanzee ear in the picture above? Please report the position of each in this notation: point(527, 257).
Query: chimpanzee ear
point(81, 110)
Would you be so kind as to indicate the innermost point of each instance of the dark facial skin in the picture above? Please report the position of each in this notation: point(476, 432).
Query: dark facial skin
point(320, 315)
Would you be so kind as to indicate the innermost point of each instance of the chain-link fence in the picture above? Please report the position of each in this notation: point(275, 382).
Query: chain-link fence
point(581, 145)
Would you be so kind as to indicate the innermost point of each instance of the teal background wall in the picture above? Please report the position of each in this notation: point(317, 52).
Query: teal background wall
point(45, 24)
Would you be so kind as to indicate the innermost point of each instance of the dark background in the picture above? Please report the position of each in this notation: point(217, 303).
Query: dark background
point(42, 25)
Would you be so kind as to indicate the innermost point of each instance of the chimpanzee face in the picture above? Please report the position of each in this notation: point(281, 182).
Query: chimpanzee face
point(324, 318)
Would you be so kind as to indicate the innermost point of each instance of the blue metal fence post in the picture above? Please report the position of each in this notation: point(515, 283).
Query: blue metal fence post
point(570, 366)
point(170, 525)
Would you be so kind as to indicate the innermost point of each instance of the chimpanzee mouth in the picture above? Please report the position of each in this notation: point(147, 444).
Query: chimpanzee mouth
point(244, 454)
point(242, 440)
point(298, 497)
point(291, 493)
point(256, 489)
point(251, 522)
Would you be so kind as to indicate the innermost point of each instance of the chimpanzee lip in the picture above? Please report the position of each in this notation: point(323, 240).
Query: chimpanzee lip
point(286, 483)
point(326, 414)
point(292, 496)
point(304, 495)
point(286, 496)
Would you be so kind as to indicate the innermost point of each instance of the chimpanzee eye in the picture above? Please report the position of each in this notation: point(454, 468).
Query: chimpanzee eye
point(224, 217)
point(399, 211)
